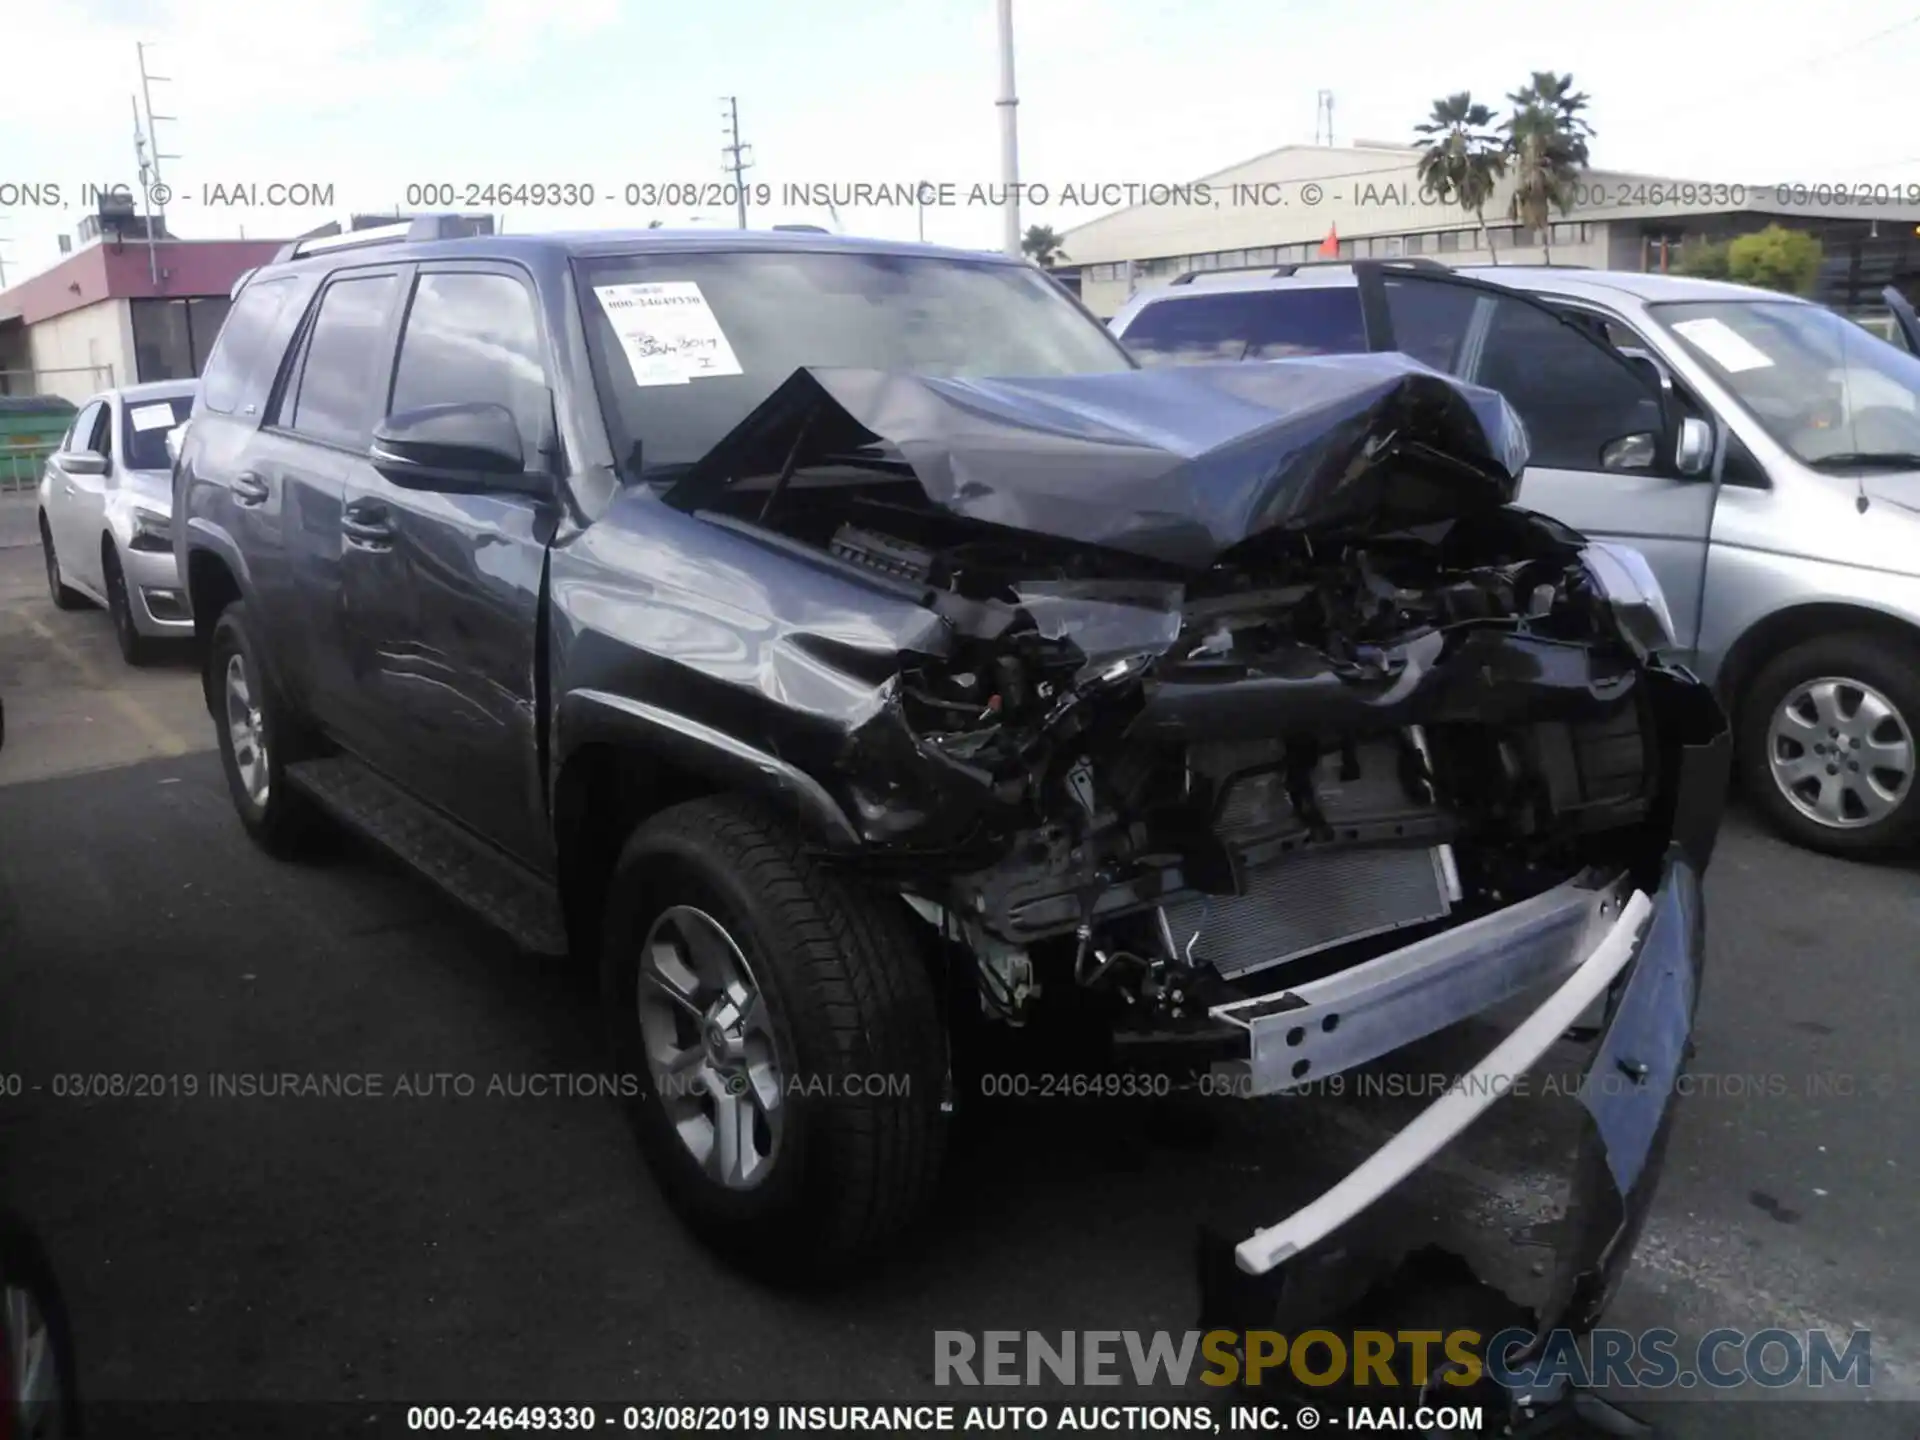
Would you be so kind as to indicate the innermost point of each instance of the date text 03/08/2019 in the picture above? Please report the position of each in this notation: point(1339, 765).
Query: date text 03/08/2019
point(1053, 1419)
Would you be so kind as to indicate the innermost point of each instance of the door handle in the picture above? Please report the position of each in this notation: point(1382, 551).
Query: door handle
point(368, 523)
point(249, 489)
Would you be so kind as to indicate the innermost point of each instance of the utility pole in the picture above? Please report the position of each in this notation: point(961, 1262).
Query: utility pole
point(1008, 104)
point(736, 153)
point(4, 240)
point(154, 191)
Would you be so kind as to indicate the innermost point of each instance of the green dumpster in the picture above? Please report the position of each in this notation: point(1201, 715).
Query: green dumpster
point(31, 428)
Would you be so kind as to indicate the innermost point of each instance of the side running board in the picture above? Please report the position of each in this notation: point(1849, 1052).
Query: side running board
point(501, 892)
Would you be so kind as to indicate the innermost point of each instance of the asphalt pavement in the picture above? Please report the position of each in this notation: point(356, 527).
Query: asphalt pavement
point(434, 1240)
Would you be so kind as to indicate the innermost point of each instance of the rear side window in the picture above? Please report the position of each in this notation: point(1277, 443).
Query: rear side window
point(240, 371)
point(342, 378)
point(472, 338)
point(1248, 325)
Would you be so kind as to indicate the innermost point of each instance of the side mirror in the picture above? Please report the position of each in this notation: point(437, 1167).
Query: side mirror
point(1631, 452)
point(1693, 451)
point(458, 447)
point(84, 462)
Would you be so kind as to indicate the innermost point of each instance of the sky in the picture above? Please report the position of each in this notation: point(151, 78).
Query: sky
point(364, 98)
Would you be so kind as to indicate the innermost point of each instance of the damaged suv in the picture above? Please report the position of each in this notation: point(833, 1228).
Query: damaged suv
point(719, 607)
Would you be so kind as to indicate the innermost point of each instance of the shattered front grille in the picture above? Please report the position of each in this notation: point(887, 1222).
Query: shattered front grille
point(1308, 902)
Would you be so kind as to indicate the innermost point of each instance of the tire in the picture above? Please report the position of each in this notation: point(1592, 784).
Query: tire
point(29, 1293)
point(281, 820)
point(847, 1007)
point(135, 648)
point(64, 597)
point(1848, 680)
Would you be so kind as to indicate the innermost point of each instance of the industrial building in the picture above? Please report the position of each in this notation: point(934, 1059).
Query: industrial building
point(1303, 202)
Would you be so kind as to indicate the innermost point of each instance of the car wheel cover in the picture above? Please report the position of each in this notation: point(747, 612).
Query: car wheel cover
point(31, 1367)
point(245, 732)
point(1841, 752)
point(711, 1047)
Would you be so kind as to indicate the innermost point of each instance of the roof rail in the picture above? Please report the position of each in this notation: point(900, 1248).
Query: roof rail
point(806, 229)
point(1415, 262)
point(420, 227)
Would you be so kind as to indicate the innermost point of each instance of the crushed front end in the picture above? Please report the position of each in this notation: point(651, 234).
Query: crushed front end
point(1289, 745)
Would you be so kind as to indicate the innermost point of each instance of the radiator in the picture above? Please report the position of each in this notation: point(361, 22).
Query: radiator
point(1308, 902)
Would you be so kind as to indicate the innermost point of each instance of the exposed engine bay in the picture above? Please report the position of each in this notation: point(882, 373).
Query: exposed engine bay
point(1130, 780)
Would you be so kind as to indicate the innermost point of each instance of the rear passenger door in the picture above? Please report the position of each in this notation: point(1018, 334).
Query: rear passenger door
point(320, 422)
point(1602, 435)
point(443, 590)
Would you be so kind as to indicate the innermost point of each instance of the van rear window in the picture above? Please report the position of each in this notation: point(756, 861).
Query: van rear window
point(1247, 325)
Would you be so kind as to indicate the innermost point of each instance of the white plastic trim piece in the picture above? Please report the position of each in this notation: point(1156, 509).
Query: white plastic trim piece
point(1441, 1122)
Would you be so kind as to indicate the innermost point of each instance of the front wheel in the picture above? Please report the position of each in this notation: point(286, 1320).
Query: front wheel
point(255, 735)
point(64, 596)
point(1828, 743)
point(779, 1024)
point(135, 648)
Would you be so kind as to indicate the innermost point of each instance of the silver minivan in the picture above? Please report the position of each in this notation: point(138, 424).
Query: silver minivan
point(1773, 486)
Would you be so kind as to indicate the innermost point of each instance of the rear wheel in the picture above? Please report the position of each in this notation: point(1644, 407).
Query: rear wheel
point(64, 597)
point(258, 740)
point(781, 1028)
point(1828, 743)
point(135, 648)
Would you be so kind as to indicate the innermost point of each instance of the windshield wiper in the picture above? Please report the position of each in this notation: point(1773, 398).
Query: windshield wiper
point(1868, 459)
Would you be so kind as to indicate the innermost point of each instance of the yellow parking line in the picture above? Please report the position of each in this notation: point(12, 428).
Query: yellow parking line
point(159, 735)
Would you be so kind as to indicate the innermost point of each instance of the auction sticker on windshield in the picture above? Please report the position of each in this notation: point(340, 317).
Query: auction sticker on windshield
point(1724, 345)
point(669, 332)
point(151, 417)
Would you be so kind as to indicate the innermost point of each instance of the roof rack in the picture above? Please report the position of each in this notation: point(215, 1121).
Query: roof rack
point(420, 227)
point(1414, 262)
point(805, 229)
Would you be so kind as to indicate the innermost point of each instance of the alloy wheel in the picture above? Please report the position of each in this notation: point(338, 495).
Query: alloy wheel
point(710, 1046)
point(32, 1367)
point(246, 732)
point(1841, 752)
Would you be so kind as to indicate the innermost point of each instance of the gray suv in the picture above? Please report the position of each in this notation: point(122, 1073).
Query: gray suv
point(848, 649)
point(1774, 488)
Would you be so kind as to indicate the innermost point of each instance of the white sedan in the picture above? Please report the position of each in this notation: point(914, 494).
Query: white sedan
point(106, 510)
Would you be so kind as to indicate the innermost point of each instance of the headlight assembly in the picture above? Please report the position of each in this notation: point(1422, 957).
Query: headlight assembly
point(151, 529)
point(1621, 574)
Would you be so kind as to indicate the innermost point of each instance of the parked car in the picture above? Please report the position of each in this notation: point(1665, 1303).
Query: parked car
point(695, 602)
point(1774, 489)
point(106, 514)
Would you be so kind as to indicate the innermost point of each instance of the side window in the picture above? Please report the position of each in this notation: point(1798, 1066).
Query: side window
point(471, 337)
point(241, 368)
point(85, 425)
point(1318, 321)
point(1430, 321)
point(344, 370)
point(103, 431)
point(1573, 396)
point(1199, 330)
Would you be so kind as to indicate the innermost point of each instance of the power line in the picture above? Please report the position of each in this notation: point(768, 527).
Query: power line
point(1751, 83)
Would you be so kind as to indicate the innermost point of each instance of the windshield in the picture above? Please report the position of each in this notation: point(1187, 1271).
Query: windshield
point(685, 346)
point(1819, 384)
point(143, 430)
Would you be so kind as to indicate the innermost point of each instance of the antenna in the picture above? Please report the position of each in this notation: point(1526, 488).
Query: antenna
point(1323, 118)
point(736, 153)
point(154, 190)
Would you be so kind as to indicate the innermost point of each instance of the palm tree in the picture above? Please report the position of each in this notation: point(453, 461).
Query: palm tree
point(1042, 246)
point(1464, 159)
point(1547, 147)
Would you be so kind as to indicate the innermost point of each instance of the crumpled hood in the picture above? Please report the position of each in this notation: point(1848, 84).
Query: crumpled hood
point(1178, 464)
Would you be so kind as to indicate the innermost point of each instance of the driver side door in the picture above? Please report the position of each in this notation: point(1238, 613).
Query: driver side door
point(1602, 430)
